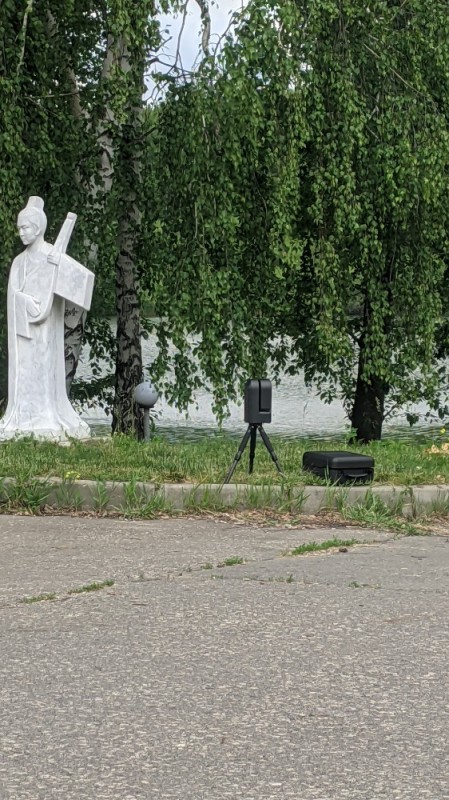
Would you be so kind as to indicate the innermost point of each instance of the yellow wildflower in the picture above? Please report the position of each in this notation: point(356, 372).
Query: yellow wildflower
point(71, 475)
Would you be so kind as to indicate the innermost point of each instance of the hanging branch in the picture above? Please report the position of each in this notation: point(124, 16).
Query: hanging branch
point(178, 46)
point(23, 34)
point(233, 19)
point(205, 19)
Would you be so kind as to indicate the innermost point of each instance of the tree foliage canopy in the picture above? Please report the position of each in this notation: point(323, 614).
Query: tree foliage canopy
point(302, 209)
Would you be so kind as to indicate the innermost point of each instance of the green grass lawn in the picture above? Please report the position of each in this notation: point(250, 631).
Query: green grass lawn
point(207, 460)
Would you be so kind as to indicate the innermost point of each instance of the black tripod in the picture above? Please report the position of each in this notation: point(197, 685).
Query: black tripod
point(252, 429)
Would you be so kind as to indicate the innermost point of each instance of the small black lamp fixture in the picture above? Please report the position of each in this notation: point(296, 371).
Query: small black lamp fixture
point(146, 396)
point(257, 411)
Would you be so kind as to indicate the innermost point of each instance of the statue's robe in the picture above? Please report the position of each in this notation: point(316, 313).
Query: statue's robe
point(37, 399)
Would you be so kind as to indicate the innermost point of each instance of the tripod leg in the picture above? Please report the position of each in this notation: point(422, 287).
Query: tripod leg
point(269, 447)
point(252, 447)
point(238, 455)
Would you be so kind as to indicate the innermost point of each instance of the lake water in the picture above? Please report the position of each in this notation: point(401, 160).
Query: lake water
point(296, 412)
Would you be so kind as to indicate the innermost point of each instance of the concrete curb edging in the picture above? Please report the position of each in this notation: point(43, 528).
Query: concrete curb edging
point(408, 501)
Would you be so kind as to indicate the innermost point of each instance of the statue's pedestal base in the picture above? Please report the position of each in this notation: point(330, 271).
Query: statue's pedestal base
point(57, 435)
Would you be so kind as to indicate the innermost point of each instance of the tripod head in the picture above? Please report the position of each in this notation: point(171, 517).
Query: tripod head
point(257, 406)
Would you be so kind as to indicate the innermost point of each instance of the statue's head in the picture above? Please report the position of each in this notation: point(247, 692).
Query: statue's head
point(32, 221)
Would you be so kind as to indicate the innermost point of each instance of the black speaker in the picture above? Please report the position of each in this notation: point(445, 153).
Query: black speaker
point(257, 403)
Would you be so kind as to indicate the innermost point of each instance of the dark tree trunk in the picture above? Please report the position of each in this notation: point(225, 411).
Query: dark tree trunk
point(126, 416)
point(3, 370)
point(74, 322)
point(367, 413)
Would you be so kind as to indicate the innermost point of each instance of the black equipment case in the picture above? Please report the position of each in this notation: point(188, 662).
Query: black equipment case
point(339, 466)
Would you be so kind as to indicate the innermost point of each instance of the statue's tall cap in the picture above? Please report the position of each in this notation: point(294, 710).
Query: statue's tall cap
point(35, 202)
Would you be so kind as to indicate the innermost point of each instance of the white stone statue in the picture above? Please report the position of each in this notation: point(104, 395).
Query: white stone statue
point(42, 277)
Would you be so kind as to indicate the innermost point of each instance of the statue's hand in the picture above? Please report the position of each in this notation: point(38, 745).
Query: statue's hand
point(33, 306)
point(54, 257)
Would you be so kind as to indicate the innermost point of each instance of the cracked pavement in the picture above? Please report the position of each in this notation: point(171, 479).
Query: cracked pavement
point(318, 677)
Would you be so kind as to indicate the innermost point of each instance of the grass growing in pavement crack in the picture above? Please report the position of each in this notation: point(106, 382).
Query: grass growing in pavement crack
point(357, 585)
point(91, 587)
point(271, 579)
point(231, 561)
point(259, 578)
point(39, 598)
point(316, 547)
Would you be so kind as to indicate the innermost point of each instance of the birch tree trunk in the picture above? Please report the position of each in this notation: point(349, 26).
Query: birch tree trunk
point(113, 197)
point(126, 416)
point(122, 164)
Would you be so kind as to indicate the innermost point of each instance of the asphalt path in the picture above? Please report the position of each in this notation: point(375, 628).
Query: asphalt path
point(216, 665)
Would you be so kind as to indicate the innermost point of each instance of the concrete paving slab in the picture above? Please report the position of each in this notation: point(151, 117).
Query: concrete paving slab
point(310, 677)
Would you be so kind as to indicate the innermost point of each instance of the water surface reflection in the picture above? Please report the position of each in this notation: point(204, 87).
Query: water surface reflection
point(297, 413)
